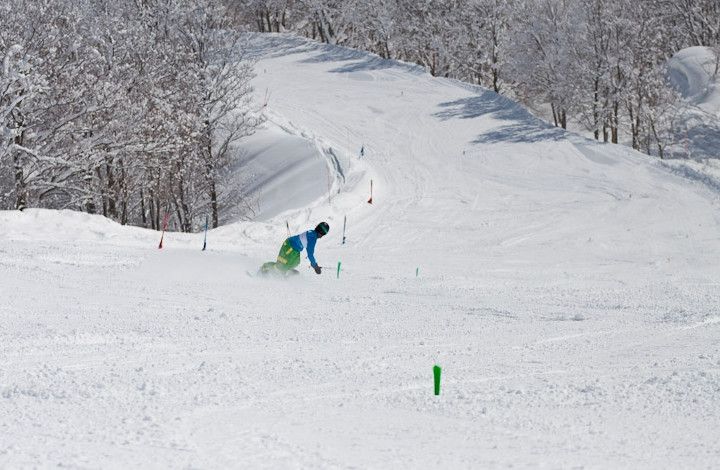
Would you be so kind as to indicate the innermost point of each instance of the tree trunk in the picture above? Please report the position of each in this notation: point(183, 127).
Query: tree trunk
point(634, 128)
point(20, 183)
point(20, 187)
point(636, 133)
point(214, 204)
point(154, 210)
point(103, 191)
point(182, 208)
point(111, 202)
point(661, 147)
point(616, 122)
point(123, 194)
point(143, 215)
point(495, 60)
point(156, 198)
point(596, 113)
point(321, 32)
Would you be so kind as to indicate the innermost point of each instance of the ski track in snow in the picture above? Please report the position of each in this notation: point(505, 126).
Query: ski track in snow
point(569, 290)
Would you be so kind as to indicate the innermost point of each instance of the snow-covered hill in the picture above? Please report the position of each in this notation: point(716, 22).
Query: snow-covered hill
point(570, 290)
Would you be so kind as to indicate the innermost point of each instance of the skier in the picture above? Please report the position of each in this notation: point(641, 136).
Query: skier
point(289, 257)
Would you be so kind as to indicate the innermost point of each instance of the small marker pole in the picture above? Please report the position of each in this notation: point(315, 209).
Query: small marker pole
point(206, 230)
point(436, 374)
point(338, 269)
point(344, 224)
point(287, 224)
point(417, 272)
point(166, 219)
point(267, 97)
point(371, 191)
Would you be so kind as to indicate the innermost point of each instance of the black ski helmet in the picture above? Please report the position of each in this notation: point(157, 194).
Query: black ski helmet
point(322, 229)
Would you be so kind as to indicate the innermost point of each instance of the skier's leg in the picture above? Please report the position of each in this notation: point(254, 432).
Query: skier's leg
point(288, 258)
point(267, 267)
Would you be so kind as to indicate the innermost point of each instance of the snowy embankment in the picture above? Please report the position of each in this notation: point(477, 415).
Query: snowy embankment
point(569, 289)
point(277, 170)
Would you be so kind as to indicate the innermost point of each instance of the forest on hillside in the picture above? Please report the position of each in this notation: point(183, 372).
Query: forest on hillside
point(132, 108)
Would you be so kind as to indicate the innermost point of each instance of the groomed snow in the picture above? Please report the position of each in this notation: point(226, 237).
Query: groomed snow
point(570, 290)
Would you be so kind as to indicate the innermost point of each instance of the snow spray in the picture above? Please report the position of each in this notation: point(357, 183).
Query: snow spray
point(338, 270)
point(206, 229)
point(436, 374)
point(370, 200)
point(344, 225)
point(166, 219)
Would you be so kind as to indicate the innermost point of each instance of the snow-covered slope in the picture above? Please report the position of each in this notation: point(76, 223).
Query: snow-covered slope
point(570, 290)
point(276, 171)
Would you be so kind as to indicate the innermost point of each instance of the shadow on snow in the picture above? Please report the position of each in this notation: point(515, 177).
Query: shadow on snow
point(521, 127)
point(269, 45)
point(362, 61)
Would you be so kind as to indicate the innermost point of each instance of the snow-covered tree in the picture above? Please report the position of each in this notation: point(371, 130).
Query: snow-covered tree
point(481, 49)
point(544, 49)
point(128, 108)
point(220, 91)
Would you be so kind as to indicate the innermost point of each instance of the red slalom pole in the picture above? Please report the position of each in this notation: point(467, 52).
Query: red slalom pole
point(370, 200)
point(166, 219)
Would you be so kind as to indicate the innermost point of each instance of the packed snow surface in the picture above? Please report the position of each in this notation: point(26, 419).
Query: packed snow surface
point(569, 290)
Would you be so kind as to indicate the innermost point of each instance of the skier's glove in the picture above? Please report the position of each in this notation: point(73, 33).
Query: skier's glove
point(318, 269)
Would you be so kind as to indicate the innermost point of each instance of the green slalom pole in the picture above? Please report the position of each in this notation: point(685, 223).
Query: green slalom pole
point(417, 272)
point(436, 373)
point(338, 270)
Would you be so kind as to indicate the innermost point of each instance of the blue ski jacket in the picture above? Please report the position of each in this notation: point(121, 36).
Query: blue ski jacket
point(307, 241)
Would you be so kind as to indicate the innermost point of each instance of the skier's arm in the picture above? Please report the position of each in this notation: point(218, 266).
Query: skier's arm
point(311, 250)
